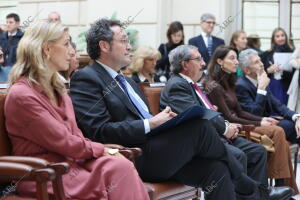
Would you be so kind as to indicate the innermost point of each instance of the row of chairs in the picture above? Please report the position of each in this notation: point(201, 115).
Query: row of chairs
point(13, 168)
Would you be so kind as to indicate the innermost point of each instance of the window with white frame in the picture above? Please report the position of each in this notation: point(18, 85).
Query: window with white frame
point(260, 17)
point(295, 21)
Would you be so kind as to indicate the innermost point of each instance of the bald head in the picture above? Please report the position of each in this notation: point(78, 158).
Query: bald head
point(54, 16)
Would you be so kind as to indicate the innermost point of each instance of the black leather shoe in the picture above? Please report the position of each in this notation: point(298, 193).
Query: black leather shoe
point(280, 193)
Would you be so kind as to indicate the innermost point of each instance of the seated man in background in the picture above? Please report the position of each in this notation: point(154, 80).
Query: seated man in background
point(9, 40)
point(111, 109)
point(182, 92)
point(255, 96)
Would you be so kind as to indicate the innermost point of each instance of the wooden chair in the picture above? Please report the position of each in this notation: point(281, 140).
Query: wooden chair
point(166, 190)
point(35, 163)
point(294, 149)
point(10, 171)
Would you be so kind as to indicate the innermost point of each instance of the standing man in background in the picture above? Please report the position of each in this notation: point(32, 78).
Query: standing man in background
point(205, 42)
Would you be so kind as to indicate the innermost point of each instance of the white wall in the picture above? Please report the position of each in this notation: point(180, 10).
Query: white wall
point(151, 23)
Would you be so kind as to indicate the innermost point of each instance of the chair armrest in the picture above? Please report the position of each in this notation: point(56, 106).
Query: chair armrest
point(59, 168)
point(126, 151)
point(31, 161)
point(17, 172)
point(247, 129)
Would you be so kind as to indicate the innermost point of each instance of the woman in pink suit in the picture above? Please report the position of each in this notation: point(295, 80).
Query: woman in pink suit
point(41, 123)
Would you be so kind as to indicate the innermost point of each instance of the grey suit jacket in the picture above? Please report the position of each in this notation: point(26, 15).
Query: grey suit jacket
point(180, 95)
point(103, 111)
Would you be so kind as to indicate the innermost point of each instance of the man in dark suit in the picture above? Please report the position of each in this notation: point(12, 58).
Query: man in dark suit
point(182, 92)
point(205, 42)
point(111, 109)
point(254, 96)
point(9, 41)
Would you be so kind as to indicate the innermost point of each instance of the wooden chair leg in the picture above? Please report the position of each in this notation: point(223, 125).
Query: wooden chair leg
point(198, 195)
point(58, 188)
point(271, 182)
point(296, 162)
point(41, 188)
point(42, 176)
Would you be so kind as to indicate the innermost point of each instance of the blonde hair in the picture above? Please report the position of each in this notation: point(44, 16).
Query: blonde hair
point(140, 55)
point(31, 58)
point(235, 36)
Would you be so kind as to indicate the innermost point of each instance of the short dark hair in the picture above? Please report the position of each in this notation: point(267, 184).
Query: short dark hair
point(13, 15)
point(174, 28)
point(99, 30)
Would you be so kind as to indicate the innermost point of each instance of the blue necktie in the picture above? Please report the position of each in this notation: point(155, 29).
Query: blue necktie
point(121, 80)
point(209, 45)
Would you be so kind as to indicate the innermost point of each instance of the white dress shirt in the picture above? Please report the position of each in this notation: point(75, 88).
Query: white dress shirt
point(264, 92)
point(204, 36)
point(113, 74)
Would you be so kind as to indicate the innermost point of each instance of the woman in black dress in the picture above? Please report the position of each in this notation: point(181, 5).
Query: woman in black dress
point(175, 35)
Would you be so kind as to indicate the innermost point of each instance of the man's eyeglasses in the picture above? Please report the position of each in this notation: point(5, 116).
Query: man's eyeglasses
point(210, 22)
point(199, 59)
point(123, 41)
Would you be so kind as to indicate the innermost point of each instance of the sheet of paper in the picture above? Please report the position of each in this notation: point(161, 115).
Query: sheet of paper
point(3, 85)
point(283, 59)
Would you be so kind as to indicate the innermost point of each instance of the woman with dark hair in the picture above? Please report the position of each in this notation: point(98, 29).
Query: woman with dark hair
point(175, 35)
point(280, 79)
point(220, 88)
point(4, 70)
point(239, 42)
point(253, 42)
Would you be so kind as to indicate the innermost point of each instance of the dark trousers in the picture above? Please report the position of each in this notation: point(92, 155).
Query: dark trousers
point(252, 156)
point(290, 131)
point(193, 154)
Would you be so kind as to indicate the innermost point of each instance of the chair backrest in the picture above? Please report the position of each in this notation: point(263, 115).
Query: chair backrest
point(153, 96)
point(5, 145)
point(84, 60)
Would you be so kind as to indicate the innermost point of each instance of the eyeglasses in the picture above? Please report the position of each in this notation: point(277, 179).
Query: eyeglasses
point(210, 22)
point(123, 41)
point(199, 59)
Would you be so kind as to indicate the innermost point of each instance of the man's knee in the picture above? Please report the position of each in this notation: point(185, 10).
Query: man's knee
point(238, 154)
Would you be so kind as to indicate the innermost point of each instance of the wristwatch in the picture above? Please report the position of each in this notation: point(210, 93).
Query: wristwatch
point(113, 151)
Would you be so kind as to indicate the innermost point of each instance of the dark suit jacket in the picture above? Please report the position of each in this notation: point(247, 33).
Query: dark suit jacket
point(103, 111)
point(199, 42)
point(9, 47)
point(258, 104)
point(180, 95)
